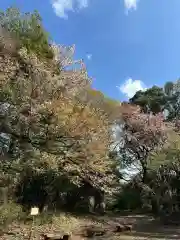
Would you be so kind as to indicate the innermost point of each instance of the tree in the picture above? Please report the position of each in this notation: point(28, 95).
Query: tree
point(96, 99)
point(173, 105)
point(158, 99)
point(49, 129)
point(28, 30)
point(141, 134)
point(152, 99)
point(168, 88)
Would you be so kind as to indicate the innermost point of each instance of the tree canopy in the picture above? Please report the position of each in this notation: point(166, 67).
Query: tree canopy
point(52, 124)
point(58, 134)
point(152, 99)
point(27, 28)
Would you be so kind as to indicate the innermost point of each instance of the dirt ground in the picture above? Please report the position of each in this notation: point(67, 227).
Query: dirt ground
point(144, 227)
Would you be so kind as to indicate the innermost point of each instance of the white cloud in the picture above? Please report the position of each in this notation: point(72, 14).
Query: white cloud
point(130, 87)
point(82, 3)
point(89, 56)
point(130, 5)
point(62, 7)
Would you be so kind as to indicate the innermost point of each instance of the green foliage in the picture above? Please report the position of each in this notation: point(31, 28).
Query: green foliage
point(168, 88)
point(128, 199)
point(160, 193)
point(152, 99)
point(27, 28)
point(167, 155)
point(41, 189)
point(173, 103)
point(158, 99)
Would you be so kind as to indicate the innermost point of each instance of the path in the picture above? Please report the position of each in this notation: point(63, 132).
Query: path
point(144, 227)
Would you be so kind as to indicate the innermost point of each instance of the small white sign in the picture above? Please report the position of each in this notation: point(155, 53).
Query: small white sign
point(34, 211)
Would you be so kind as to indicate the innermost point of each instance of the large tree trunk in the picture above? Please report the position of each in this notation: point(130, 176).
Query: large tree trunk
point(155, 205)
point(4, 195)
point(91, 204)
point(144, 172)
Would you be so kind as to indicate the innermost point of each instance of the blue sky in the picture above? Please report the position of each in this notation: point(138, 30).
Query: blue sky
point(127, 45)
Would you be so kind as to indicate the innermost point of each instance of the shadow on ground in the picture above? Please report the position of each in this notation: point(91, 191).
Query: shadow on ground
point(144, 227)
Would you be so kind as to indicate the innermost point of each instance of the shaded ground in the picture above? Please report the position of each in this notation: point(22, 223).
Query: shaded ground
point(144, 227)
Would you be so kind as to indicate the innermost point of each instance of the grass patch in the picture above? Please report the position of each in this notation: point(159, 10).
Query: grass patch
point(65, 222)
point(9, 213)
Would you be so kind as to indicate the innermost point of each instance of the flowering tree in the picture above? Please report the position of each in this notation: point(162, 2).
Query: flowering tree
point(50, 127)
point(140, 135)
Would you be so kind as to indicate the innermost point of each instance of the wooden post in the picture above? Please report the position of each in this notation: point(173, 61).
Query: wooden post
point(34, 212)
point(31, 229)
